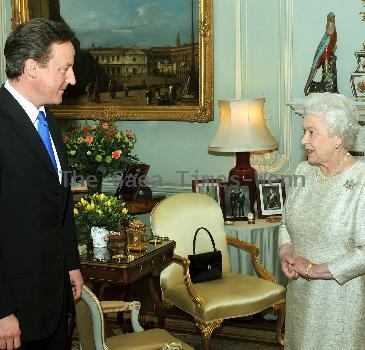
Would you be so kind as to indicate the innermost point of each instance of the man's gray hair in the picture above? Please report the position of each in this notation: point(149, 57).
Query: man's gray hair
point(338, 113)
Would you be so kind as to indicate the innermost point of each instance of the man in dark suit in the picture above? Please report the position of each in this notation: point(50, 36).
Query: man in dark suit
point(39, 263)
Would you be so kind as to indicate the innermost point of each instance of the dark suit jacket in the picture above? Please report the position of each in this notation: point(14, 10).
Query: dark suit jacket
point(37, 235)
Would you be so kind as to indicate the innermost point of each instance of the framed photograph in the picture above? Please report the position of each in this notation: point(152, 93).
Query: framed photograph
point(132, 181)
point(270, 198)
point(211, 187)
point(236, 204)
point(135, 60)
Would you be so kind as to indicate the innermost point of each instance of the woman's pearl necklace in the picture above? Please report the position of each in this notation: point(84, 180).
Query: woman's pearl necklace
point(321, 178)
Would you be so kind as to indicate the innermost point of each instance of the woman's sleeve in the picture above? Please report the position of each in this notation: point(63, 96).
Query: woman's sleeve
point(352, 264)
point(284, 237)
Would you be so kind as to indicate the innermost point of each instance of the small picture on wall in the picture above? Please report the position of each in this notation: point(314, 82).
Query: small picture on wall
point(211, 187)
point(270, 198)
point(236, 203)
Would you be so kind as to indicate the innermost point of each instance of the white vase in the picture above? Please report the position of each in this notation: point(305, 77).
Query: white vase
point(100, 236)
point(101, 254)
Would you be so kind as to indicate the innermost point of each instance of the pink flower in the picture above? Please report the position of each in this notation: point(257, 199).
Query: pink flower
point(65, 138)
point(89, 139)
point(130, 133)
point(105, 125)
point(116, 154)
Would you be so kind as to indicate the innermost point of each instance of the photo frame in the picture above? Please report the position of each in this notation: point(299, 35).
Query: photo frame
point(183, 64)
point(211, 187)
point(270, 197)
point(132, 181)
point(236, 202)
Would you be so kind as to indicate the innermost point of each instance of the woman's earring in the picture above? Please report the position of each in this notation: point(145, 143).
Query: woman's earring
point(337, 146)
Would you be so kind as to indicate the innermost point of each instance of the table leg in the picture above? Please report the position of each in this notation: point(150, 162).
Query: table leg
point(159, 309)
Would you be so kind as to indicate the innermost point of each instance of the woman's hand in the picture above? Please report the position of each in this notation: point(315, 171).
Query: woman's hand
point(287, 261)
point(300, 265)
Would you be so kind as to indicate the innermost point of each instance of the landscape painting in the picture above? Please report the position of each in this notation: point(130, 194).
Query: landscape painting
point(137, 59)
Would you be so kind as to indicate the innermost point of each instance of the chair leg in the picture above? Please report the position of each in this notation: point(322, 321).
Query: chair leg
point(206, 329)
point(280, 306)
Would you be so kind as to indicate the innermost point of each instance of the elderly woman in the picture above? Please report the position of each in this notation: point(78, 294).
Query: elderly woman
point(322, 238)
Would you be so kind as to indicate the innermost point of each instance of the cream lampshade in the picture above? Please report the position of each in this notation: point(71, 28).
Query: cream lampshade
point(242, 129)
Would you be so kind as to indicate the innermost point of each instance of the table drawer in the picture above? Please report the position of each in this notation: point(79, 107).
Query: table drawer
point(101, 274)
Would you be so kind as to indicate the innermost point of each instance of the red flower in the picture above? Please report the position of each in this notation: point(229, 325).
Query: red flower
point(65, 138)
point(86, 129)
point(130, 133)
point(105, 125)
point(89, 139)
point(116, 154)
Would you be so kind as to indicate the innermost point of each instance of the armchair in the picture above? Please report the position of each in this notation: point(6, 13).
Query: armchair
point(234, 295)
point(90, 325)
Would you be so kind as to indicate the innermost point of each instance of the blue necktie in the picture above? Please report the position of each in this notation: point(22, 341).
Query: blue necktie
point(45, 136)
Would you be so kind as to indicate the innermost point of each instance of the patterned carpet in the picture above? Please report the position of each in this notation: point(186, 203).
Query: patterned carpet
point(256, 334)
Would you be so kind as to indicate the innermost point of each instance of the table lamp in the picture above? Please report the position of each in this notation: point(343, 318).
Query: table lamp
point(242, 129)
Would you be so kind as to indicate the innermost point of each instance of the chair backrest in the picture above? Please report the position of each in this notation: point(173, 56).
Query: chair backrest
point(90, 321)
point(178, 217)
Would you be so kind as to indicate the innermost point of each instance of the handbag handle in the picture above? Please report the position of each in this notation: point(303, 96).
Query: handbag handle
point(210, 235)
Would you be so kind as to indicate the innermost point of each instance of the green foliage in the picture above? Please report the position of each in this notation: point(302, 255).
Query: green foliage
point(102, 211)
point(99, 149)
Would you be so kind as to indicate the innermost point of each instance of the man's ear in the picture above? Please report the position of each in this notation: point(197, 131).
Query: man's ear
point(30, 68)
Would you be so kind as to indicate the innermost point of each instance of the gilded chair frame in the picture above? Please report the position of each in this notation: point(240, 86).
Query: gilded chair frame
point(207, 328)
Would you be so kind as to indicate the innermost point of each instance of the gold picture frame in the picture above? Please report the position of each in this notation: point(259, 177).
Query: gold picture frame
point(201, 111)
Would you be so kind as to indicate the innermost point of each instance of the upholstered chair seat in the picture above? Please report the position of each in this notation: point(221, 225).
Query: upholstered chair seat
point(210, 302)
point(232, 296)
point(90, 325)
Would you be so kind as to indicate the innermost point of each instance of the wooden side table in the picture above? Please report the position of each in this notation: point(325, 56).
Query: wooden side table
point(128, 270)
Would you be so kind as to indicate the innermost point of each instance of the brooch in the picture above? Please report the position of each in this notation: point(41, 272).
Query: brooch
point(349, 184)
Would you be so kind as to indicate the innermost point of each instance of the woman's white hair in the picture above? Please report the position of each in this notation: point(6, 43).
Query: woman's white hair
point(338, 113)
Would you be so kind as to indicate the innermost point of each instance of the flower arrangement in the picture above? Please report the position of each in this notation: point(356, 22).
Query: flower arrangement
point(101, 210)
point(99, 149)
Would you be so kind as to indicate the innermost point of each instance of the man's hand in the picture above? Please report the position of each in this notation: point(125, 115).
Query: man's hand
point(9, 333)
point(76, 283)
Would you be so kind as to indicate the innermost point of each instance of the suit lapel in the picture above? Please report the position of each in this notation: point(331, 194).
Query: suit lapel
point(58, 141)
point(22, 125)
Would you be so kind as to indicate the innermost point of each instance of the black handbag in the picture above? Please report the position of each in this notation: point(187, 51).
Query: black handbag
point(205, 266)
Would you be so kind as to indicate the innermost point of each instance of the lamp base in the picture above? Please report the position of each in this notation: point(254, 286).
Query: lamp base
point(244, 174)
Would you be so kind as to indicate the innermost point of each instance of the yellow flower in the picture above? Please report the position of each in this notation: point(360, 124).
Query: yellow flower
point(125, 211)
point(83, 201)
point(76, 212)
point(88, 207)
point(99, 212)
point(108, 203)
point(102, 196)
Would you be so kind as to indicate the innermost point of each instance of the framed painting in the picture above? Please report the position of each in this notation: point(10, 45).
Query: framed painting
point(135, 60)
point(211, 187)
point(132, 181)
point(236, 202)
point(270, 198)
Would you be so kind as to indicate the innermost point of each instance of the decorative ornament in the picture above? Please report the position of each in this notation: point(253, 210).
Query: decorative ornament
point(349, 184)
point(358, 77)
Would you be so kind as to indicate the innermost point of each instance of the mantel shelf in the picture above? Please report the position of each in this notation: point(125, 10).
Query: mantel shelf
point(297, 105)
